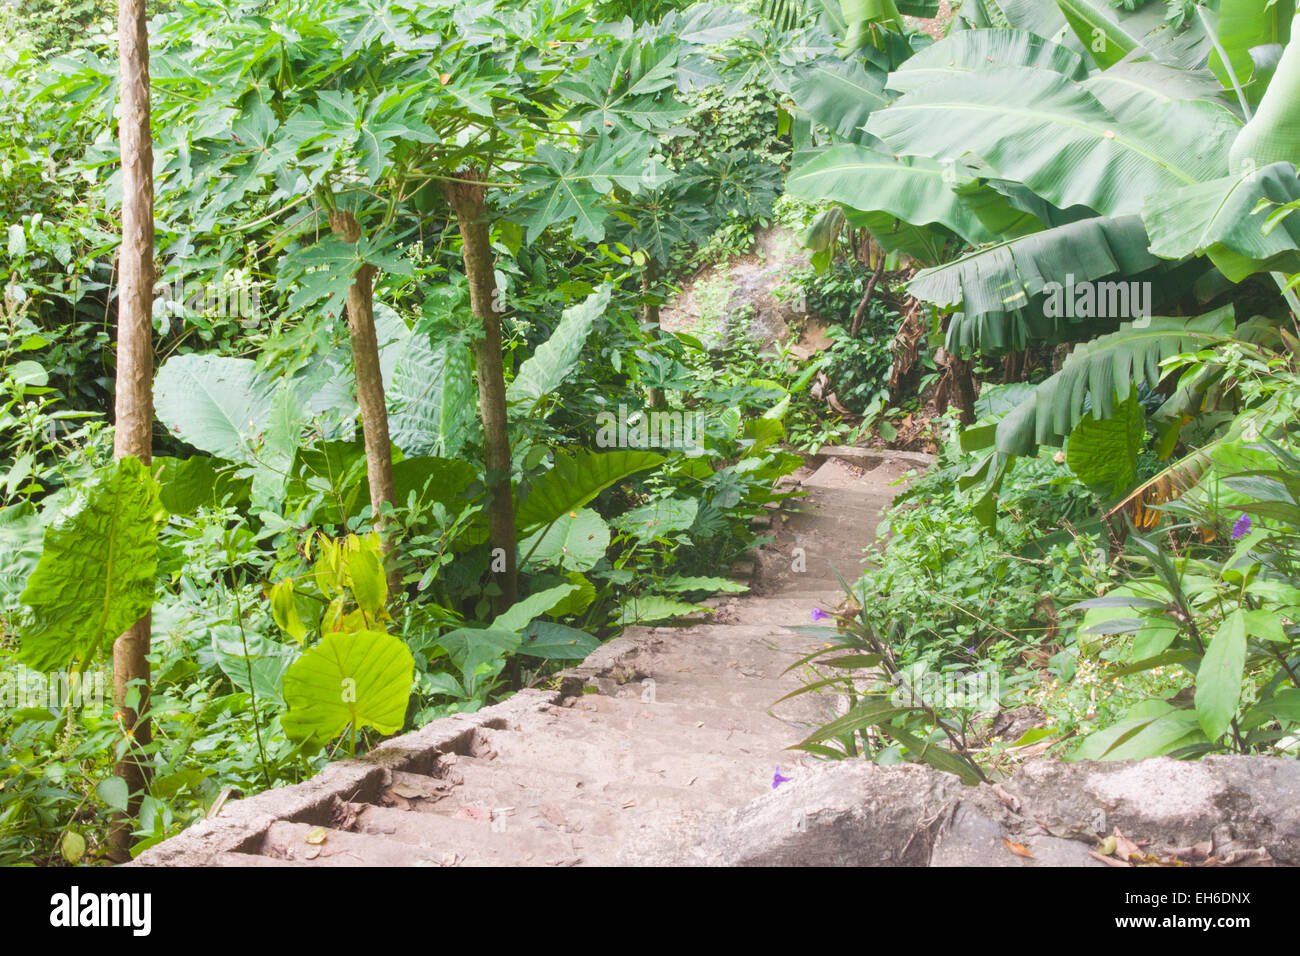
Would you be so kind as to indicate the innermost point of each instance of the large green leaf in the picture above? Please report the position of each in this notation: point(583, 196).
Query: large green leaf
point(839, 94)
point(522, 613)
point(429, 387)
point(1104, 451)
point(968, 51)
point(1137, 738)
point(252, 661)
point(20, 550)
point(1046, 131)
point(1110, 35)
point(1219, 218)
point(198, 481)
point(565, 186)
point(432, 479)
point(1005, 275)
point(658, 519)
point(360, 679)
point(1241, 26)
point(556, 642)
point(215, 403)
point(575, 480)
point(576, 541)
point(554, 359)
point(1273, 133)
point(1096, 26)
point(653, 607)
point(434, 399)
point(96, 574)
point(917, 190)
point(1133, 87)
point(1218, 679)
point(1103, 371)
point(1033, 16)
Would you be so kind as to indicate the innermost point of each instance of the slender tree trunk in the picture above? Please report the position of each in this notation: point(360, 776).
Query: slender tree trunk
point(860, 312)
point(654, 397)
point(467, 200)
point(370, 381)
point(133, 398)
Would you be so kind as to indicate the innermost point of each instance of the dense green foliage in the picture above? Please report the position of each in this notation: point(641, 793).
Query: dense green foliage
point(1112, 538)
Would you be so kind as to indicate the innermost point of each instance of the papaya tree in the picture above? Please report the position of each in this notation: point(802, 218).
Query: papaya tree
point(133, 399)
point(347, 128)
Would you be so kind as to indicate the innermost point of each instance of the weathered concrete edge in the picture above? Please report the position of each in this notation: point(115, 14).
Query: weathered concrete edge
point(241, 823)
point(875, 456)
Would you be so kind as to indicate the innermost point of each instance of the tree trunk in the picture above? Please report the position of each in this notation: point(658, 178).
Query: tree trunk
point(860, 312)
point(466, 199)
point(654, 397)
point(133, 390)
point(963, 388)
point(370, 381)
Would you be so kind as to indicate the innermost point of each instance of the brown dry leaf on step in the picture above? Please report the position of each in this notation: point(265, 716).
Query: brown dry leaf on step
point(407, 792)
point(391, 799)
point(1019, 849)
point(344, 816)
point(1196, 853)
point(312, 853)
point(1126, 848)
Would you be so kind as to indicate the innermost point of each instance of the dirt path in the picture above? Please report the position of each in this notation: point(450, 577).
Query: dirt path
point(656, 731)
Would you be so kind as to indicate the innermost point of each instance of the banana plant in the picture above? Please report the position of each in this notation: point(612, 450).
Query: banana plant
point(1133, 152)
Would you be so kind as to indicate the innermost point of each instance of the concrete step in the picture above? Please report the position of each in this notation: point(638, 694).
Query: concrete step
point(401, 838)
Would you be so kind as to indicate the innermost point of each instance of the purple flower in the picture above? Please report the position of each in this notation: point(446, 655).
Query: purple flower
point(777, 779)
point(819, 615)
point(1241, 527)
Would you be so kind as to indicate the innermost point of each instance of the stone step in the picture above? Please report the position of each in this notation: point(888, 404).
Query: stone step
point(402, 838)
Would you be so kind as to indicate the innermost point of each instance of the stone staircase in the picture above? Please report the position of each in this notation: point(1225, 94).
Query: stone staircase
point(660, 730)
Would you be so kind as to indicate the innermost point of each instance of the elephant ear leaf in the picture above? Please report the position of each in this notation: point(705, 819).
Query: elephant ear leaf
point(556, 357)
point(216, 403)
point(1103, 452)
point(95, 577)
point(361, 679)
point(575, 480)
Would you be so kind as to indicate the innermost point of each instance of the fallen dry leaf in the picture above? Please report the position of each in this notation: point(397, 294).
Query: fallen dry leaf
point(1019, 849)
point(316, 835)
point(1125, 848)
point(406, 791)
